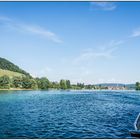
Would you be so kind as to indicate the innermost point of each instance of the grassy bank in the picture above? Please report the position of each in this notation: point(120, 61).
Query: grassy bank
point(15, 89)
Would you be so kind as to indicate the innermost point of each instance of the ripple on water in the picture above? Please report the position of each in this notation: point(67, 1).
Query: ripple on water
point(65, 114)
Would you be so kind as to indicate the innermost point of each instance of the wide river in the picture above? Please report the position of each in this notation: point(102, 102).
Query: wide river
point(68, 114)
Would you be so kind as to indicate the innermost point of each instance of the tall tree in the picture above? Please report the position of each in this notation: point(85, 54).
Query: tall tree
point(137, 86)
point(43, 83)
point(80, 85)
point(26, 83)
point(34, 84)
point(55, 85)
point(5, 82)
point(16, 82)
point(68, 84)
point(63, 84)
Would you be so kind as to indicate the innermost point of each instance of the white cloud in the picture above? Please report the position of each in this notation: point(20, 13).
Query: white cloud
point(105, 51)
point(33, 29)
point(106, 6)
point(115, 43)
point(92, 54)
point(136, 33)
point(41, 32)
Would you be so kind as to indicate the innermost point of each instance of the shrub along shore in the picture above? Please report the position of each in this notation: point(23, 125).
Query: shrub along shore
point(30, 83)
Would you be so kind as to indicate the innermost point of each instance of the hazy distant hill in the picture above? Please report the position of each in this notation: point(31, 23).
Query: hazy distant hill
point(10, 67)
point(129, 86)
point(111, 84)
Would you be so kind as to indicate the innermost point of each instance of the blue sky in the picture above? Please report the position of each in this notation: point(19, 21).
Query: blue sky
point(90, 42)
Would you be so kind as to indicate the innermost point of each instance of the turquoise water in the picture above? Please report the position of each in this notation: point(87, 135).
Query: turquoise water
point(68, 114)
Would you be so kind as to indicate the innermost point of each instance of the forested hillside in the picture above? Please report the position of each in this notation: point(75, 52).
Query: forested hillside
point(10, 73)
point(7, 65)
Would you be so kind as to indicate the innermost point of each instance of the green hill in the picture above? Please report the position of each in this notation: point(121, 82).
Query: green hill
point(8, 68)
point(10, 73)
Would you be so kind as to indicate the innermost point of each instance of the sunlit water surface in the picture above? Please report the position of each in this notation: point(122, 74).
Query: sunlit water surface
point(68, 114)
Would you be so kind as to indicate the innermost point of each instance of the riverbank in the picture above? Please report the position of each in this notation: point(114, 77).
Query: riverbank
point(15, 89)
point(86, 90)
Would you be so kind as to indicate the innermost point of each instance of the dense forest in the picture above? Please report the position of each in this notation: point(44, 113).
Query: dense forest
point(26, 81)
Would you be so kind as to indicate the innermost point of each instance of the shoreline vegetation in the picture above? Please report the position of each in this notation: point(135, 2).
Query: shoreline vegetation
point(30, 83)
point(71, 90)
point(14, 78)
point(21, 89)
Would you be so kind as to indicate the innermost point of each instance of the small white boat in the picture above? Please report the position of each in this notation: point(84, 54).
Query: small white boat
point(136, 132)
point(137, 122)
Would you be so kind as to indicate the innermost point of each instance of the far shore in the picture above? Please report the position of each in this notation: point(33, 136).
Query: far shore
point(15, 89)
point(19, 89)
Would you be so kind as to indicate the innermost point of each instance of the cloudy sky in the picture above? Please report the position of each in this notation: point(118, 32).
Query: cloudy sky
point(90, 42)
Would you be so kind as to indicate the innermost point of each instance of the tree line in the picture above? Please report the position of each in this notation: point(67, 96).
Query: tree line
point(43, 83)
point(137, 85)
point(27, 82)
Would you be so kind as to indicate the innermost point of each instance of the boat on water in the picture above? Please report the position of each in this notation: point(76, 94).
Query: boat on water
point(136, 132)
